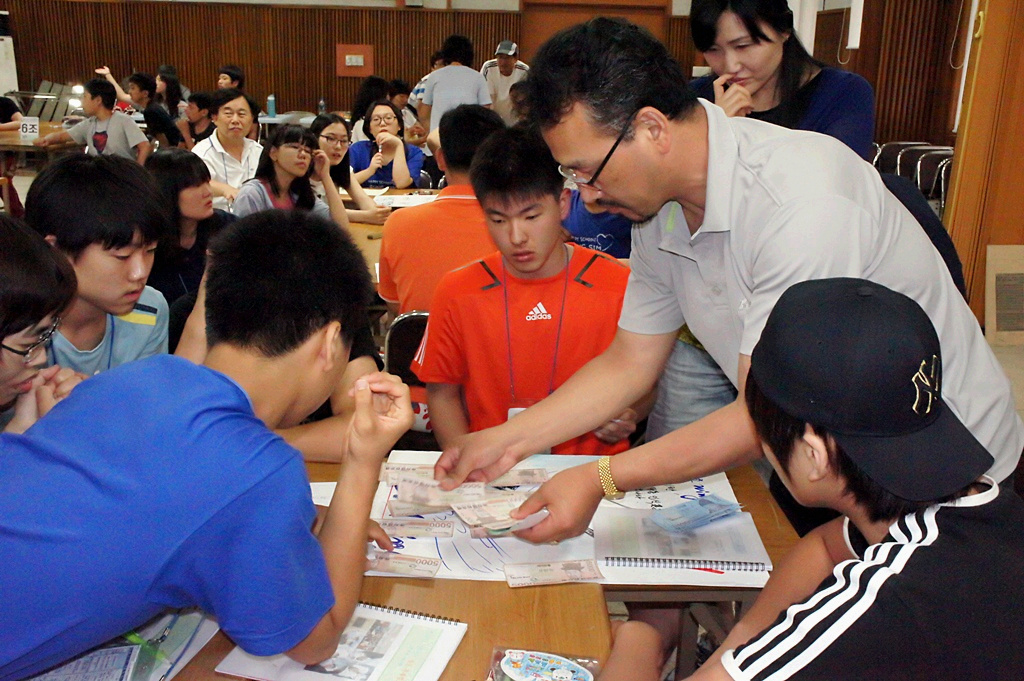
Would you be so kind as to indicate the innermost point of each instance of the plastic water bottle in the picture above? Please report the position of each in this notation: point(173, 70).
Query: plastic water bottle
point(271, 105)
point(321, 106)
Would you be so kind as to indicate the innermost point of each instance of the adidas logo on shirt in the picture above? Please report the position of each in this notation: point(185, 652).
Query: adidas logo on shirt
point(538, 312)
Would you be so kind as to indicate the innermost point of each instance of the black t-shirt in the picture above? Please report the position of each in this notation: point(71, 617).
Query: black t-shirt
point(7, 109)
point(198, 137)
point(940, 597)
point(177, 272)
point(158, 122)
point(787, 114)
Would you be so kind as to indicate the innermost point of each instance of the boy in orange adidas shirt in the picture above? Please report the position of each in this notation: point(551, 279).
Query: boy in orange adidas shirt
point(505, 331)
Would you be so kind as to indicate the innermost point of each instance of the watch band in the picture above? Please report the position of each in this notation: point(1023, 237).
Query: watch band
point(604, 472)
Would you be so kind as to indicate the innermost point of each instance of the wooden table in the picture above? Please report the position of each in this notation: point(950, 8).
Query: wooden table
point(566, 618)
point(11, 140)
point(367, 238)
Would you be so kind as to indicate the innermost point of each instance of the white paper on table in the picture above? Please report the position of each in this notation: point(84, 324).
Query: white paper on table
point(103, 664)
point(379, 644)
point(404, 200)
point(465, 557)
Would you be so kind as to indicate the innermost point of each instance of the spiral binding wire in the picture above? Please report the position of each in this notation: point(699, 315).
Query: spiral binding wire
point(412, 613)
point(725, 565)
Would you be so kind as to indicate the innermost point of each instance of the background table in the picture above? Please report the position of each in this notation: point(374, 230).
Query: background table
point(11, 140)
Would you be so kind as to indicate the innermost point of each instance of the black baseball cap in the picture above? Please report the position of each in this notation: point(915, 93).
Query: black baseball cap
point(863, 362)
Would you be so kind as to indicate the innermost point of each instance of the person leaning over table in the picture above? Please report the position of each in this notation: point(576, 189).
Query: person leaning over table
point(733, 212)
point(36, 284)
point(760, 70)
point(928, 552)
point(187, 447)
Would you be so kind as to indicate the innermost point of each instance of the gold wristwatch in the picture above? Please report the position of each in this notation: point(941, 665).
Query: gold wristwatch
point(604, 471)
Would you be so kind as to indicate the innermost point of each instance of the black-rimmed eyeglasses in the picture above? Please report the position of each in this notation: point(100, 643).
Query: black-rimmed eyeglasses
point(30, 353)
point(570, 174)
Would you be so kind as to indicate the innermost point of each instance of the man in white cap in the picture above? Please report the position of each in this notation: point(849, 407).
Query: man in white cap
point(501, 73)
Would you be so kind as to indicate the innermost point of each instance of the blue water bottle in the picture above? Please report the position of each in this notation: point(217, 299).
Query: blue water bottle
point(271, 105)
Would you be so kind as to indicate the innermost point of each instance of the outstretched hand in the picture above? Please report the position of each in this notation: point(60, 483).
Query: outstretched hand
point(571, 497)
point(481, 456)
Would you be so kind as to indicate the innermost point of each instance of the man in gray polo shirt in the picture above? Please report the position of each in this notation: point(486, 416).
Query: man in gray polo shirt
point(736, 211)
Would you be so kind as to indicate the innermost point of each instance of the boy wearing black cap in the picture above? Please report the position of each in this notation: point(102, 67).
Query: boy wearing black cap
point(927, 566)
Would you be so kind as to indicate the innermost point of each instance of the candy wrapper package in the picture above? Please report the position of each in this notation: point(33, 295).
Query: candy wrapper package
point(517, 664)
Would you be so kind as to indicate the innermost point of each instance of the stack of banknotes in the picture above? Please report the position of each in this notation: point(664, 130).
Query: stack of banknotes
point(694, 513)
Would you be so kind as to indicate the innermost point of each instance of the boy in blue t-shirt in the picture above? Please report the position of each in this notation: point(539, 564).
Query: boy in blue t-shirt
point(106, 215)
point(174, 491)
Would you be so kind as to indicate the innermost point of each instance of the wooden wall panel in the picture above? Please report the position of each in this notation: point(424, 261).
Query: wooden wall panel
point(288, 51)
point(912, 53)
point(680, 44)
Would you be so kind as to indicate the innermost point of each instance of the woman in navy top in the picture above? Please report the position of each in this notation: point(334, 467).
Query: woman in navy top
point(761, 70)
point(385, 160)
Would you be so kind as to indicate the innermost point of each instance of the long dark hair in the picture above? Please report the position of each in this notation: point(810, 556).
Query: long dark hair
point(341, 173)
point(369, 114)
point(289, 134)
point(796, 62)
point(372, 89)
point(171, 96)
point(175, 170)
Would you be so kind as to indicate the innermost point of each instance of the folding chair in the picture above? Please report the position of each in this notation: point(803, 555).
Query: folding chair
point(400, 346)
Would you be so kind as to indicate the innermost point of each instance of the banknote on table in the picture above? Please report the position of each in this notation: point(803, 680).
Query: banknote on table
point(405, 509)
point(400, 564)
point(391, 472)
point(490, 512)
point(521, 476)
point(429, 493)
point(559, 572)
point(695, 513)
point(415, 527)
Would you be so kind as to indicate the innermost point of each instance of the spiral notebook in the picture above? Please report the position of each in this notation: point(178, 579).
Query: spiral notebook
point(624, 540)
point(379, 644)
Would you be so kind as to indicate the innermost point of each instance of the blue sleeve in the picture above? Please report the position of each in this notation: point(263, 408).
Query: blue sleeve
point(414, 162)
point(256, 565)
point(249, 199)
point(843, 107)
point(359, 156)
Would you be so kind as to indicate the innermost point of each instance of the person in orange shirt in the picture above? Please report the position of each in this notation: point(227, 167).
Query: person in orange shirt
point(505, 331)
point(421, 243)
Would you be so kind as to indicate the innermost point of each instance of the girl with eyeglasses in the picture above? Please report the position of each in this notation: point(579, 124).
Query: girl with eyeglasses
point(36, 284)
point(281, 180)
point(386, 160)
point(333, 134)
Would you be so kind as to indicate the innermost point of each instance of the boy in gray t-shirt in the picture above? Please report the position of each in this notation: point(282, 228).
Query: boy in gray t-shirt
point(105, 131)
